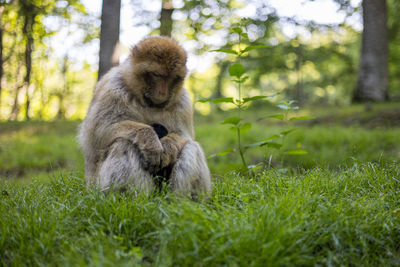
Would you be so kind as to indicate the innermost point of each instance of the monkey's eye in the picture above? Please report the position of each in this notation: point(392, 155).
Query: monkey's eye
point(177, 79)
point(157, 75)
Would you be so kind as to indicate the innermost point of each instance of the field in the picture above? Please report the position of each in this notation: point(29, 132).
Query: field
point(337, 205)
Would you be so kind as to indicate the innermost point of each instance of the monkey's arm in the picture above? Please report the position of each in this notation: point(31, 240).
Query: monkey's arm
point(172, 146)
point(144, 138)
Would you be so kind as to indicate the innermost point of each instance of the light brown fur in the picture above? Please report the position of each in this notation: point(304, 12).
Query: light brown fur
point(120, 146)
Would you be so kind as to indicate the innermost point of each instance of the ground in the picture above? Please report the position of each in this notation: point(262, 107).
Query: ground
point(337, 205)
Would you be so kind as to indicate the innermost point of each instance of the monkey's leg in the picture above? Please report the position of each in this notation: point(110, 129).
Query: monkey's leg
point(190, 173)
point(121, 168)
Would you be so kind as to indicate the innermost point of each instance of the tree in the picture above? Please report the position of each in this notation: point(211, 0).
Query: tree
point(1, 49)
point(29, 11)
point(372, 82)
point(109, 35)
point(166, 18)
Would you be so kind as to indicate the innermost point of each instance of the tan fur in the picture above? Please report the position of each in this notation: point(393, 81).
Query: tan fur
point(120, 146)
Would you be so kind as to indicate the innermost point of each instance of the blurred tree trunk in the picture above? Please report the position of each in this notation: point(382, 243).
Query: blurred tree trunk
point(166, 18)
point(15, 107)
point(27, 30)
point(109, 36)
point(372, 82)
point(299, 92)
point(1, 52)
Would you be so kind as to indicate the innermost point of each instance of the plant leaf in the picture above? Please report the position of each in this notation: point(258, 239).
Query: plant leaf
point(237, 70)
point(252, 47)
point(238, 30)
point(232, 120)
point(222, 153)
point(287, 131)
point(245, 128)
point(247, 99)
point(217, 100)
point(275, 136)
point(227, 51)
point(265, 143)
point(296, 152)
point(245, 35)
point(241, 80)
point(204, 100)
point(223, 100)
point(272, 145)
point(244, 79)
point(301, 118)
point(277, 116)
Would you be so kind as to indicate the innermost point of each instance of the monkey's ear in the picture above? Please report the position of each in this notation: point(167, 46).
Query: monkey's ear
point(134, 51)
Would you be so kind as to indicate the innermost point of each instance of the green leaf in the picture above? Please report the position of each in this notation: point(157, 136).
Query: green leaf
point(237, 70)
point(257, 97)
point(204, 100)
point(265, 143)
point(241, 80)
point(222, 153)
point(245, 128)
point(227, 51)
point(245, 35)
point(217, 100)
point(275, 136)
point(232, 120)
point(244, 79)
point(252, 47)
point(287, 131)
point(296, 152)
point(238, 30)
point(273, 145)
point(301, 118)
point(277, 116)
point(223, 100)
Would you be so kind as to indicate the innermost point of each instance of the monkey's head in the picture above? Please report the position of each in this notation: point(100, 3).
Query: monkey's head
point(159, 69)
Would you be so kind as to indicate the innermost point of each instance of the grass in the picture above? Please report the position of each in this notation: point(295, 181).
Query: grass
point(339, 205)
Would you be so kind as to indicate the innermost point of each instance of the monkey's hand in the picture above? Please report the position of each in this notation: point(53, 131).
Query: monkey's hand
point(172, 145)
point(150, 148)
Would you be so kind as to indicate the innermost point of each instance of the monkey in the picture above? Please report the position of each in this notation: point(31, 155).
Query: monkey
point(139, 124)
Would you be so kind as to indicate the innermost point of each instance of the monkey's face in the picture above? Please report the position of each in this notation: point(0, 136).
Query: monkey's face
point(160, 87)
point(159, 67)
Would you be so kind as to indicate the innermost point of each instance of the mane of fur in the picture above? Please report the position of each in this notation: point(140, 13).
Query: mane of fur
point(163, 50)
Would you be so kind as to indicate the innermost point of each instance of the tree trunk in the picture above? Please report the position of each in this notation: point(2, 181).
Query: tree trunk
point(1, 57)
point(15, 107)
point(28, 33)
point(372, 82)
point(109, 35)
point(166, 18)
point(299, 83)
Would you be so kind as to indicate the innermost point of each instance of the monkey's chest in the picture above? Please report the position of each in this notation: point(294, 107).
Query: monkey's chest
point(170, 121)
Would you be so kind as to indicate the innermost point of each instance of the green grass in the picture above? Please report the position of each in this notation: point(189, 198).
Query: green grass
point(320, 217)
point(338, 205)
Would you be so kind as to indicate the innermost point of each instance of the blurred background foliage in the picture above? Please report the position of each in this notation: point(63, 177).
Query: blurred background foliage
point(44, 75)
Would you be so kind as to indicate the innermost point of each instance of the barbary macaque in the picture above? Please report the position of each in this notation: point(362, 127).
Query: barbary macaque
point(139, 127)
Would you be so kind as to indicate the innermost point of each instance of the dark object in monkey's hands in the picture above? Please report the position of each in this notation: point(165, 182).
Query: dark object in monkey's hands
point(164, 173)
point(160, 130)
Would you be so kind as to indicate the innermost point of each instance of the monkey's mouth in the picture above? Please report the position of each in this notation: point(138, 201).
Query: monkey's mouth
point(151, 104)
